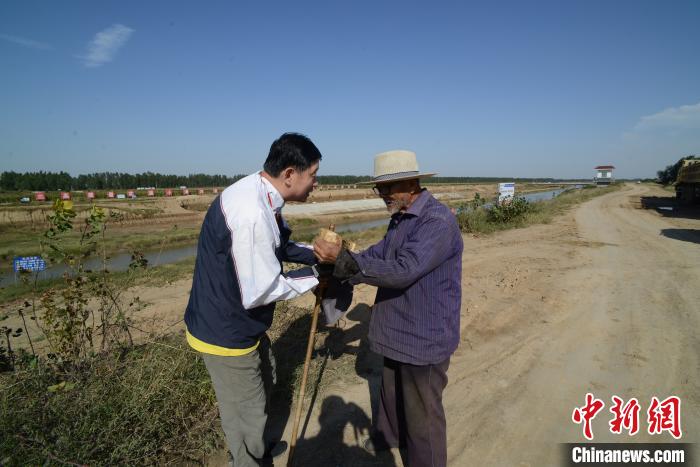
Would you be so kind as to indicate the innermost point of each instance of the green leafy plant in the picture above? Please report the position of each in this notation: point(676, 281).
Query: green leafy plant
point(509, 210)
point(89, 314)
point(477, 202)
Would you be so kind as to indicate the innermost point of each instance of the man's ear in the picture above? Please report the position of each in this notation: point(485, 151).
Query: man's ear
point(287, 174)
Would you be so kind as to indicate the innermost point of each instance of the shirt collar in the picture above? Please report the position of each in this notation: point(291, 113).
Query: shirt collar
point(274, 198)
point(417, 206)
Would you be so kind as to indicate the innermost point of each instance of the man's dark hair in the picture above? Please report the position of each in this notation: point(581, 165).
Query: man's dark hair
point(291, 150)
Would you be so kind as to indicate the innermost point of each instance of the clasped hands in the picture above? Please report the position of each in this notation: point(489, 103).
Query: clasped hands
point(327, 246)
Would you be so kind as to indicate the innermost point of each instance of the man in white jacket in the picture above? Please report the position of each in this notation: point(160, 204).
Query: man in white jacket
point(237, 280)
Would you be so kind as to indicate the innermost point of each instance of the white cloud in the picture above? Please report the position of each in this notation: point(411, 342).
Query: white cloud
point(105, 45)
point(660, 139)
point(673, 118)
point(32, 44)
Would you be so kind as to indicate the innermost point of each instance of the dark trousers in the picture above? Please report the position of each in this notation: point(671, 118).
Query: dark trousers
point(411, 414)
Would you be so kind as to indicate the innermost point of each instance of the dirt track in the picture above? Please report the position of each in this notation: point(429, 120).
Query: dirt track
point(604, 300)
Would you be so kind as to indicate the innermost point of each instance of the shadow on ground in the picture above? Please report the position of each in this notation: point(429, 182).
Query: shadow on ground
point(328, 448)
point(337, 418)
point(353, 341)
point(685, 235)
point(667, 206)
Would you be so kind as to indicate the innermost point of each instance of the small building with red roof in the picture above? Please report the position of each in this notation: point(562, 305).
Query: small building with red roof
point(604, 175)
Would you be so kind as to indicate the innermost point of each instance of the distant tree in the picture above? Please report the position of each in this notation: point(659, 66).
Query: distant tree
point(8, 181)
point(341, 179)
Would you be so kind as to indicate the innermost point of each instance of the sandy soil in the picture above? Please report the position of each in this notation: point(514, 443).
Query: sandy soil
point(603, 300)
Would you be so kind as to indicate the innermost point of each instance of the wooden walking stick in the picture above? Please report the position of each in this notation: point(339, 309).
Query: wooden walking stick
point(309, 349)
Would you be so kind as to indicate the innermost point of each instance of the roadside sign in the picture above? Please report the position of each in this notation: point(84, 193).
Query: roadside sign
point(90, 195)
point(151, 192)
point(40, 196)
point(168, 192)
point(110, 194)
point(28, 263)
point(65, 195)
point(121, 196)
point(505, 191)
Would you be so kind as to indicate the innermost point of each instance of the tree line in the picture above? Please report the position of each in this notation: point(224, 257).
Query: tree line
point(670, 173)
point(53, 181)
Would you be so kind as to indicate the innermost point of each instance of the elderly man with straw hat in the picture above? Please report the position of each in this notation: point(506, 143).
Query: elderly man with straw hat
point(417, 268)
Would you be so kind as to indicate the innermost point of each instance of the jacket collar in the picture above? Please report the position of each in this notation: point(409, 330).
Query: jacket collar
point(274, 198)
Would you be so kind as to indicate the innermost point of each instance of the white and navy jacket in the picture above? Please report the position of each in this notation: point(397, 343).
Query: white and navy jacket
point(238, 272)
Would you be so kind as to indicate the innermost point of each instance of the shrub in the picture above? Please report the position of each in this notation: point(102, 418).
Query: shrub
point(508, 211)
point(472, 221)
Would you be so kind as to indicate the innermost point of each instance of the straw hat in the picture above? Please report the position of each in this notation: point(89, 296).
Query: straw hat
point(393, 166)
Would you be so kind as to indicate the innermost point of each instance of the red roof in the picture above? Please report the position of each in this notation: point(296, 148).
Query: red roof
point(604, 167)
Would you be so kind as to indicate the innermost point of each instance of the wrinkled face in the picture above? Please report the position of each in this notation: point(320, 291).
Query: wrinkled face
point(396, 195)
point(301, 184)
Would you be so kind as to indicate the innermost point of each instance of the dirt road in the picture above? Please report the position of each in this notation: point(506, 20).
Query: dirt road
point(604, 300)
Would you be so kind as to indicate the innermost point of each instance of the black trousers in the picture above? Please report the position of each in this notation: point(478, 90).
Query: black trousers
point(411, 414)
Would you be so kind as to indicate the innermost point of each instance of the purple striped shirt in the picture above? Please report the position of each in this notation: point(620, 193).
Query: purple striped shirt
point(418, 269)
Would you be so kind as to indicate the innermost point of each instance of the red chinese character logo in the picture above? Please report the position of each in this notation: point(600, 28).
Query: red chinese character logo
point(587, 413)
point(626, 417)
point(665, 416)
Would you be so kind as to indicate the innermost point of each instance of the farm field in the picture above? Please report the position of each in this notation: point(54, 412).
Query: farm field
point(161, 223)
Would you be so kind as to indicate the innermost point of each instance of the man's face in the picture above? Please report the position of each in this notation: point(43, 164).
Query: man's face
point(396, 195)
point(302, 183)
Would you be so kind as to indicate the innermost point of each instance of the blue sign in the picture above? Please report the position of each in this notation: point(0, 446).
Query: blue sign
point(29, 263)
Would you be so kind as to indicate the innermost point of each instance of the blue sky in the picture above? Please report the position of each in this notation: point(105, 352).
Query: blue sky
point(529, 89)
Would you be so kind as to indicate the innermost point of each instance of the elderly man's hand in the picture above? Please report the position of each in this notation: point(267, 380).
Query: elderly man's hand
point(326, 252)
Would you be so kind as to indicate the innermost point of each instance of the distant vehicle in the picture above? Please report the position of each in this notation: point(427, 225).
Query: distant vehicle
point(121, 196)
point(688, 182)
point(24, 199)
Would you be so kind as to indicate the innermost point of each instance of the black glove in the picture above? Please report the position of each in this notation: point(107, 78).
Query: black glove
point(345, 266)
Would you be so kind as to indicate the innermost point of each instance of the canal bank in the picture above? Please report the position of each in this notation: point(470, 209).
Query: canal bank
point(315, 211)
